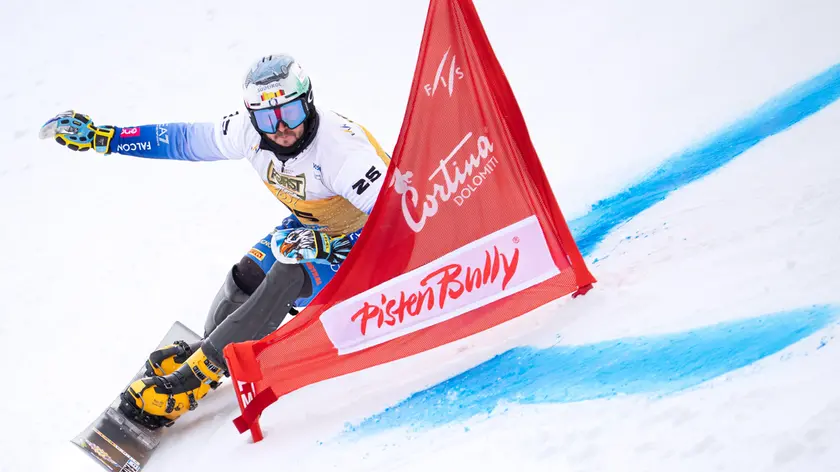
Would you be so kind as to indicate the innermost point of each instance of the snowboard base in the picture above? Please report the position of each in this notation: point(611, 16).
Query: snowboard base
point(117, 443)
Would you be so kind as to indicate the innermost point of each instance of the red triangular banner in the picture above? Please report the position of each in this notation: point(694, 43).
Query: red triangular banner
point(465, 235)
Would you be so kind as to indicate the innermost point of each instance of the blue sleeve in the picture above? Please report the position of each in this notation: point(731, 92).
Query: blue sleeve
point(177, 141)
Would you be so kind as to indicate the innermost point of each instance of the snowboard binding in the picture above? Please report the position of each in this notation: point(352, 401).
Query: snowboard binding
point(137, 415)
point(161, 363)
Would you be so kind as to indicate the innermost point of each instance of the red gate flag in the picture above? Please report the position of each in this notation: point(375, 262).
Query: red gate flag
point(466, 233)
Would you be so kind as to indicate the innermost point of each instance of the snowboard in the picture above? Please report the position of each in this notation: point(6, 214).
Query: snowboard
point(114, 441)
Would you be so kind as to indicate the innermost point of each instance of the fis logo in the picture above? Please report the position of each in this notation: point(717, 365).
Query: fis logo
point(443, 78)
point(347, 129)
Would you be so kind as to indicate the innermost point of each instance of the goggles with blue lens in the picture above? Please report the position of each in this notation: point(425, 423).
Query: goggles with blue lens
point(291, 114)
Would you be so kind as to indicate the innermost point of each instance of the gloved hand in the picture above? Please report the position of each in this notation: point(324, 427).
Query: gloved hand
point(77, 132)
point(299, 245)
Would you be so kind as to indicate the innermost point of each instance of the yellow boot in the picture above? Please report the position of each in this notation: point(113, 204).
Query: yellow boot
point(161, 399)
point(167, 359)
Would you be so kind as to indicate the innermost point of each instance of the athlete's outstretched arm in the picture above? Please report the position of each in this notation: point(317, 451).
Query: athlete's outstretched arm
point(177, 141)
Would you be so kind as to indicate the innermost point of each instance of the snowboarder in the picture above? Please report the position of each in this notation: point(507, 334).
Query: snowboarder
point(325, 168)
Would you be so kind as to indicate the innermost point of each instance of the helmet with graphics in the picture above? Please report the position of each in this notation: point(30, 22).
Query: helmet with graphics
point(277, 90)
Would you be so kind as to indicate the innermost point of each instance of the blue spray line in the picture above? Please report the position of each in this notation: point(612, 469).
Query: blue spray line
point(775, 116)
point(660, 364)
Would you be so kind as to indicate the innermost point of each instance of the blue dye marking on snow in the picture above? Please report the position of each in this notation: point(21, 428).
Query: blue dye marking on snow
point(562, 374)
point(685, 167)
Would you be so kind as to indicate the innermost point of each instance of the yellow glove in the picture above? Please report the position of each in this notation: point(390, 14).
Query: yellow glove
point(77, 132)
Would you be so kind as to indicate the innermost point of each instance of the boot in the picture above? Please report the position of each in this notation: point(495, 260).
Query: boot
point(167, 359)
point(160, 400)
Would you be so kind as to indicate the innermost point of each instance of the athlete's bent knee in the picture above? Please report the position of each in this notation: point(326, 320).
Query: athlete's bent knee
point(248, 275)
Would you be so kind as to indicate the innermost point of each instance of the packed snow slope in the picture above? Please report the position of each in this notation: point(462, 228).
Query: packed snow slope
point(693, 147)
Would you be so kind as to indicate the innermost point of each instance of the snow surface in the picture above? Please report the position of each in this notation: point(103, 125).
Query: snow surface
point(708, 343)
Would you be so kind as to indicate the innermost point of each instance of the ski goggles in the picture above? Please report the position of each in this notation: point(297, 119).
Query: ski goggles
point(291, 114)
